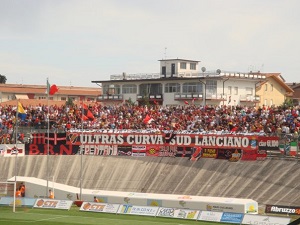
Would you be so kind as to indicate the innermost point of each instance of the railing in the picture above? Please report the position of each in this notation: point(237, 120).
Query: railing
point(150, 97)
point(145, 76)
point(178, 96)
point(110, 97)
point(249, 98)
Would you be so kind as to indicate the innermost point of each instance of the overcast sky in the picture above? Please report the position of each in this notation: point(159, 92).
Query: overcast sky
point(73, 42)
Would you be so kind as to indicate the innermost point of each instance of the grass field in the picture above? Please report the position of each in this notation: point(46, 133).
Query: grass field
point(74, 216)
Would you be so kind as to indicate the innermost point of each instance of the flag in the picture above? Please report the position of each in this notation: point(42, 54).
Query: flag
point(87, 114)
point(51, 89)
point(147, 119)
point(55, 138)
point(186, 102)
point(21, 112)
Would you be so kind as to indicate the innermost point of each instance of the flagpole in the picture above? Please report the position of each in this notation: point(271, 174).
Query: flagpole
point(16, 141)
point(48, 137)
point(81, 152)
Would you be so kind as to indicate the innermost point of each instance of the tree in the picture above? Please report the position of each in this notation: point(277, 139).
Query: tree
point(2, 79)
point(69, 102)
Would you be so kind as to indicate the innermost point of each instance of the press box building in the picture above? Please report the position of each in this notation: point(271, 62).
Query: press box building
point(181, 82)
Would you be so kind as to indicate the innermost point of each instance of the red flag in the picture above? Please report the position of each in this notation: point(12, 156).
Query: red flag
point(147, 119)
point(53, 89)
point(87, 114)
point(186, 102)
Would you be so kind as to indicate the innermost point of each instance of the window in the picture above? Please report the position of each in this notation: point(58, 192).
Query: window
point(229, 90)
point(172, 88)
point(211, 87)
point(192, 66)
point(192, 88)
point(111, 89)
point(266, 87)
point(182, 65)
point(236, 90)
point(249, 91)
point(129, 89)
point(63, 98)
point(150, 89)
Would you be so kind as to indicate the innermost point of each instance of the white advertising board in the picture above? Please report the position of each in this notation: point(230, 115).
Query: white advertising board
point(138, 210)
point(210, 216)
point(178, 213)
point(52, 204)
point(265, 220)
point(99, 207)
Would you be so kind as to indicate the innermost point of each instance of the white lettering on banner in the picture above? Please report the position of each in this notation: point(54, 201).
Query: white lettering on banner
point(222, 141)
point(99, 149)
point(53, 204)
point(159, 139)
point(99, 207)
point(283, 210)
point(145, 139)
point(101, 139)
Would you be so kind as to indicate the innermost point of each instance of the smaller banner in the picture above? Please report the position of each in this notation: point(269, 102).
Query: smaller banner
point(139, 150)
point(99, 207)
point(210, 216)
point(52, 204)
point(249, 155)
point(232, 217)
point(12, 150)
point(209, 153)
point(165, 212)
point(268, 143)
point(282, 209)
point(138, 210)
point(265, 220)
point(178, 213)
point(261, 155)
point(19, 201)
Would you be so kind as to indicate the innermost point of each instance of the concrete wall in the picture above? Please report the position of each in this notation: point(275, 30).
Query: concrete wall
point(268, 182)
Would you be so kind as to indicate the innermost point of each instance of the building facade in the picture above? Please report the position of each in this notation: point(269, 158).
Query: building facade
point(274, 90)
point(10, 92)
point(179, 82)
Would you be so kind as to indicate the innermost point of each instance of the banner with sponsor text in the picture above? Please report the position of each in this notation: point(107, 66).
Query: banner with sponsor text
point(282, 209)
point(99, 207)
point(178, 213)
point(52, 204)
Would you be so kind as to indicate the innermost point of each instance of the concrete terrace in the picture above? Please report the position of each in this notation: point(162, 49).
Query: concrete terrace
point(274, 181)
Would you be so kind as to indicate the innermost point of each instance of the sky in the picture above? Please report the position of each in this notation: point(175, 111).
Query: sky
point(74, 42)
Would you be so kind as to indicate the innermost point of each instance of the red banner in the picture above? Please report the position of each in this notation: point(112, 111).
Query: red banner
point(163, 139)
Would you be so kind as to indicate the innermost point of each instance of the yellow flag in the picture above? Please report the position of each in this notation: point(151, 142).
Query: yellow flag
point(20, 108)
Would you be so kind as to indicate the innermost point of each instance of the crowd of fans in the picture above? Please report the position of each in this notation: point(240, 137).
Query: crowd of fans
point(188, 117)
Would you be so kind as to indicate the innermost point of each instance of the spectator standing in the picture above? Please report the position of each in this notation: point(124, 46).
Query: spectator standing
point(51, 194)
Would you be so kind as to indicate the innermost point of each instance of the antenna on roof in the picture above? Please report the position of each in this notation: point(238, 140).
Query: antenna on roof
point(165, 52)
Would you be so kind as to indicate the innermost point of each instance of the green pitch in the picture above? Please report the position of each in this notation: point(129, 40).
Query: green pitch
point(74, 216)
